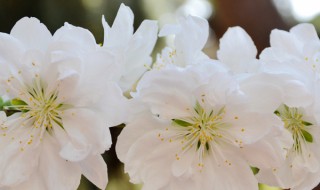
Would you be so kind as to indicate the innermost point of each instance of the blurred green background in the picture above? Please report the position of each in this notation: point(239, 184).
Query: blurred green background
point(258, 18)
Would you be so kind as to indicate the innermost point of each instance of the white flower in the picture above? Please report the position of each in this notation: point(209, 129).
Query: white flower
point(132, 51)
point(194, 131)
point(63, 102)
point(190, 36)
point(295, 54)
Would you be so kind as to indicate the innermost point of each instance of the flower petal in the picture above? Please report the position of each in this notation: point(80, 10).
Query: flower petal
point(237, 50)
point(95, 169)
point(122, 29)
point(32, 33)
point(65, 175)
point(88, 133)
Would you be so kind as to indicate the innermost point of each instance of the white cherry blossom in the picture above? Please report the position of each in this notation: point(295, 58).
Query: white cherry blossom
point(296, 55)
point(193, 131)
point(132, 50)
point(190, 36)
point(64, 101)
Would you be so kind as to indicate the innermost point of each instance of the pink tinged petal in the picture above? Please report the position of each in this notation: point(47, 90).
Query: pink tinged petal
point(297, 94)
point(115, 106)
point(35, 182)
point(32, 33)
point(185, 184)
point(158, 162)
point(122, 29)
point(95, 169)
point(305, 32)
point(237, 50)
point(88, 134)
point(57, 172)
point(181, 166)
point(17, 163)
point(142, 124)
point(267, 177)
point(233, 174)
point(136, 156)
point(271, 151)
point(156, 175)
point(310, 182)
point(174, 101)
point(68, 81)
point(243, 126)
point(74, 153)
point(262, 94)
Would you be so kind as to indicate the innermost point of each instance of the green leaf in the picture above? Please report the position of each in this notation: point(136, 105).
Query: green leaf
point(17, 102)
point(307, 136)
point(181, 123)
point(306, 123)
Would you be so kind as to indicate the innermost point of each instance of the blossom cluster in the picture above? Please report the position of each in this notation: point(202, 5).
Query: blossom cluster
point(191, 122)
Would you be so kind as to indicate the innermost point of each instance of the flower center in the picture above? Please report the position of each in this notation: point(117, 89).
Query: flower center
point(40, 107)
point(293, 121)
point(201, 131)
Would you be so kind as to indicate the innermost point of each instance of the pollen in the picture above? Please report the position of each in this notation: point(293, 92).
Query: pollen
point(200, 130)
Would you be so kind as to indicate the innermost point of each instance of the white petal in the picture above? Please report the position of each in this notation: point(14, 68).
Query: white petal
point(76, 36)
point(192, 38)
point(297, 94)
point(264, 92)
point(17, 162)
point(305, 32)
point(175, 99)
point(57, 172)
point(32, 33)
point(271, 151)
point(169, 29)
point(35, 182)
point(179, 167)
point(122, 29)
point(95, 169)
point(135, 157)
point(115, 109)
point(137, 56)
point(88, 133)
point(10, 50)
point(237, 50)
point(142, 124)
point(234, 176)
point(285, 42)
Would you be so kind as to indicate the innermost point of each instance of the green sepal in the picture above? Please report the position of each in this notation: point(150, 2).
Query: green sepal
point(306, 123)
point(255, 170)
point(181, 123)
point(307, 136)
point(277, 113)
point(17, 102)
